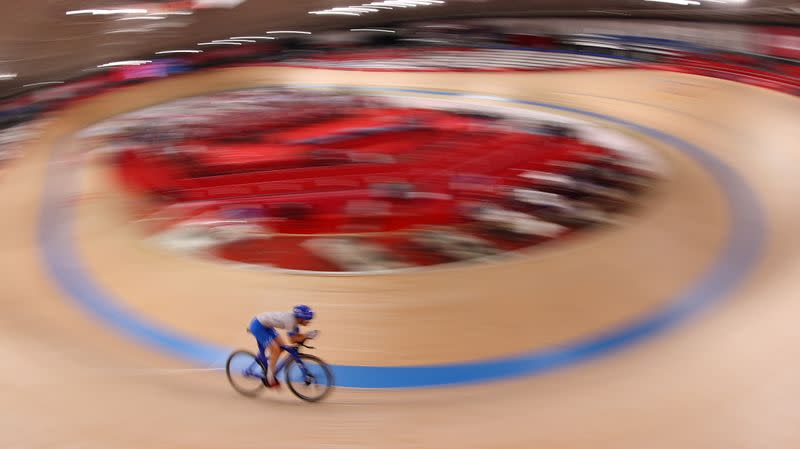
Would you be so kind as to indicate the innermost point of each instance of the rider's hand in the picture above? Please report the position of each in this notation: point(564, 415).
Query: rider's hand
point(312, 334)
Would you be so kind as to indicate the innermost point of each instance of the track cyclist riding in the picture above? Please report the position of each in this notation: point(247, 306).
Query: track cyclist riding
point(270, 343)
point(248, 373)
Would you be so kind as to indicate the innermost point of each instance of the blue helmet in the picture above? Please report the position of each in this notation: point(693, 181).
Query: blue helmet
point(303, 312)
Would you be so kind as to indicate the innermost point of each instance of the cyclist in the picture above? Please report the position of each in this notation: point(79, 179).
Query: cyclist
point(270, 343)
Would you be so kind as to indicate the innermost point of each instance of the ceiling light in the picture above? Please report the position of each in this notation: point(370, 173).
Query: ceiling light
point(43, 83)
point(128, 11)
point(393, 4)
point(400, 3)
point(675, 2)
point(103, 12)
point(120, 63)
point(376, 30)
point(176, 13)
point(288, 32)
point(220, 43)
point(333, 13)
point(377, 6)
point(127, 30)
point(7, 76)
point(199, 4)
point(75, 12)
point(169, 52)
point(143, 18)
point(354, 8)
point(238, 40)
point(250, 37)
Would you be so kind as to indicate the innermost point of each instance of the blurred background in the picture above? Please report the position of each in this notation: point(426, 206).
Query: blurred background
point(59, 53)
point(410, 168)
point(65, 40)
point(59, 50)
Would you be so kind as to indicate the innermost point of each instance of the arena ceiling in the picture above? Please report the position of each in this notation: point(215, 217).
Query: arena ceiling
point(40, 41)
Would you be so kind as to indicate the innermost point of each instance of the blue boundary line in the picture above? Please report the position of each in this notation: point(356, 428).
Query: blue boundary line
point(739, 255)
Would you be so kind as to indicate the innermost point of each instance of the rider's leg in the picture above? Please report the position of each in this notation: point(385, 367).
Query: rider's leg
point(262, 352)
point(274, 353)
point(263, 336)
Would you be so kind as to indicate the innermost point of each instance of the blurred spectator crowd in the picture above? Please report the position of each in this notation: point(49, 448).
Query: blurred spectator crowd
point(324, 180)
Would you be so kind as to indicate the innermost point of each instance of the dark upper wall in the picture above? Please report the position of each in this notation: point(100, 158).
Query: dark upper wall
point(38, 42)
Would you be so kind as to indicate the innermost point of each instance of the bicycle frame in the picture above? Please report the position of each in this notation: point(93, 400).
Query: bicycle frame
point(293, 352)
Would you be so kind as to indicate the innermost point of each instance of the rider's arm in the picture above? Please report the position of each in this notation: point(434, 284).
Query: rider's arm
point(295, 336)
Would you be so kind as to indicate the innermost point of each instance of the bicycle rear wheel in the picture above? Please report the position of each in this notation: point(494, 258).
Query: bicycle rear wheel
point(245, 373)
point(308, 377)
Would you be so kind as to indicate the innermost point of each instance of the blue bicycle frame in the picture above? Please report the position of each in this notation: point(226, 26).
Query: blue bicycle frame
point(293, 353)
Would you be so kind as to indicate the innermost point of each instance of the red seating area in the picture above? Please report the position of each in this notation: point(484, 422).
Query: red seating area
point(297, 194)
point(265, 170)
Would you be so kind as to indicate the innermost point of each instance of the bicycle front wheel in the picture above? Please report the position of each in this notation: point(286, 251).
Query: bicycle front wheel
point(245, 373)
point(309, 378)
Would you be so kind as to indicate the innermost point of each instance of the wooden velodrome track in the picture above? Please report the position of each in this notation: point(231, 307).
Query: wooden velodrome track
point(717, 238)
